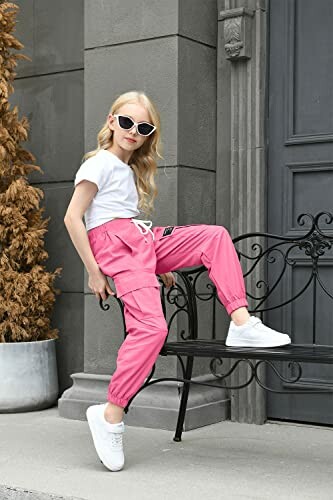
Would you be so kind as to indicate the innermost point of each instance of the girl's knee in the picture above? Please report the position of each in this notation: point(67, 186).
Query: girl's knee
point(217, 229)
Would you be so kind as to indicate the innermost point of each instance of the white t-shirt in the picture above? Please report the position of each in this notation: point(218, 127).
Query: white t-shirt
point(117, 195)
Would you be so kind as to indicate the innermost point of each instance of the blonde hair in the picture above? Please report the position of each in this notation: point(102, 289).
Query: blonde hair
point(144, 159)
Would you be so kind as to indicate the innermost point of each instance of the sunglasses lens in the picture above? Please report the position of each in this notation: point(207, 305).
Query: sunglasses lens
point(145, 128)
point(125, 122)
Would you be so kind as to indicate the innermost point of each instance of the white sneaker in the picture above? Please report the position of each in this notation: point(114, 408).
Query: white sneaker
point(107, 437)
point(255, 334)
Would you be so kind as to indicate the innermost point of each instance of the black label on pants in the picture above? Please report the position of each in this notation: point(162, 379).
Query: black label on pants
point(168, 230)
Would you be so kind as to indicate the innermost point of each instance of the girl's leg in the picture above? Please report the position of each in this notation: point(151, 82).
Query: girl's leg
point(240, 316)
point(114, 413)
point(128, 257)
point(146, 332)
point(212, 246)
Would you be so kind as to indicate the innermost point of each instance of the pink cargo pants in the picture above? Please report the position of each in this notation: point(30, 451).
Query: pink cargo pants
point(132, 254)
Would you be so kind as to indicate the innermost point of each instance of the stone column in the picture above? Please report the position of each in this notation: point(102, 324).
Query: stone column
point(167, 49)
point(241, 149)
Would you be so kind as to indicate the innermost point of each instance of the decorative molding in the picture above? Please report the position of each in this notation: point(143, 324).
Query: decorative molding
point(241, 149)
point(237, 32)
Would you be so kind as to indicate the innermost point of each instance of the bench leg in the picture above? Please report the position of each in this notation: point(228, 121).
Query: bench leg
point(184, 399)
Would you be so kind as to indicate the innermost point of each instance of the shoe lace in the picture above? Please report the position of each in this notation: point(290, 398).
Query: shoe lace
point(116, 440)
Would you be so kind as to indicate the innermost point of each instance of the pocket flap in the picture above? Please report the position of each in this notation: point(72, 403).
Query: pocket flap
point(127, 282)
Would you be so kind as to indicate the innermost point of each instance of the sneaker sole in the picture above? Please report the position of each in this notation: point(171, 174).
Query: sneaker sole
point(91, 418)
point(248, 343)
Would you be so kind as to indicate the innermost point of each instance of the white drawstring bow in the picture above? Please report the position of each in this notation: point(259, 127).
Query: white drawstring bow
point(144, 226)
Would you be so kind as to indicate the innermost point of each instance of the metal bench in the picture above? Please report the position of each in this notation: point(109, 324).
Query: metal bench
point(267, 261)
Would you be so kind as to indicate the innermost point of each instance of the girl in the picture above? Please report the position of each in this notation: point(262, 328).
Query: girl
point(112, 185)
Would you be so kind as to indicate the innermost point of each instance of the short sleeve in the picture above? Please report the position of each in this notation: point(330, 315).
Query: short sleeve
point(92, 170)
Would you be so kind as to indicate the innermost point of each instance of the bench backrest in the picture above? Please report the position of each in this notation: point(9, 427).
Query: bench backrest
point(267, 261)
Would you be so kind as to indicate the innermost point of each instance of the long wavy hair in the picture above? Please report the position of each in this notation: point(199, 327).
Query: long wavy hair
point(144, 159)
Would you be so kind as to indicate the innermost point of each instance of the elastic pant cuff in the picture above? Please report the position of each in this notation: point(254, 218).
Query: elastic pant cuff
point(117, 401)
point(236, 304)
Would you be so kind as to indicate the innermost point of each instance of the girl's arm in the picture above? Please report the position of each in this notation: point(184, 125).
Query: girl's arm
point(81, 199)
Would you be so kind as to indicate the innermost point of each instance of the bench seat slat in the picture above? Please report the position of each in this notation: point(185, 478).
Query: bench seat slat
point(293, 352)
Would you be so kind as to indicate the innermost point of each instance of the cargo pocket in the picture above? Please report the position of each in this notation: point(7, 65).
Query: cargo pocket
point(143, 303)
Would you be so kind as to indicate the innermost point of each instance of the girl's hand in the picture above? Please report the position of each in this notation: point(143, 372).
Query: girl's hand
point(168, 279)
point(99, 285)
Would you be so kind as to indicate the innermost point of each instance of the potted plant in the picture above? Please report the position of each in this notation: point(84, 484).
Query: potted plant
point(28, 370)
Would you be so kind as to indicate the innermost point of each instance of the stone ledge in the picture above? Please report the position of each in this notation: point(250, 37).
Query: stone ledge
point(155, 407)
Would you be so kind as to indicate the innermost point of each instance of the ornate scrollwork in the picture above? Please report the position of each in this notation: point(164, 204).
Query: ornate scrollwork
point(314, 244)
point(180, 296)
point(254, 367)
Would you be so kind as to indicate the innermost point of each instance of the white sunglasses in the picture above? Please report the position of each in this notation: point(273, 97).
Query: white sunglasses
point(143, 128)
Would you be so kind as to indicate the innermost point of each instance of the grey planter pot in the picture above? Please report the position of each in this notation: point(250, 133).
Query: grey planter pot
point(28, 376)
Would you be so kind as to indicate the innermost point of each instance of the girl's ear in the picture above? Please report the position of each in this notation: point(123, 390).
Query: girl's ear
point(111, 121)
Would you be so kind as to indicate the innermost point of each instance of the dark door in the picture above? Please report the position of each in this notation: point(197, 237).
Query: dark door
point(300, 180)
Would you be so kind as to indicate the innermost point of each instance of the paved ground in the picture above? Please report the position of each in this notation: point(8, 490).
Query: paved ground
point(44, 456)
